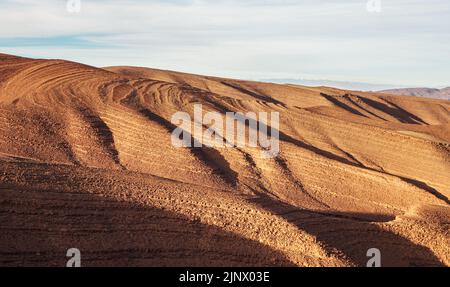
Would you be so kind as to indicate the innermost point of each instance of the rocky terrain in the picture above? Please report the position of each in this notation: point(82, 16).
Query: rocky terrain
point(86, 161)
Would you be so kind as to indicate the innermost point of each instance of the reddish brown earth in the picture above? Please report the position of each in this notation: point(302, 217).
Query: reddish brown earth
point(86, 161)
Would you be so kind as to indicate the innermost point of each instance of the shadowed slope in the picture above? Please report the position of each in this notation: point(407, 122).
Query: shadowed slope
point(115, 233)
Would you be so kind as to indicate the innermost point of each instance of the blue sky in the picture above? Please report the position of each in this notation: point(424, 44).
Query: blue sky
point(405, 44)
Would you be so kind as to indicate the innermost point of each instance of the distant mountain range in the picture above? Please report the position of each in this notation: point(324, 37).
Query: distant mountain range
point(421, 92)
point(354, 86)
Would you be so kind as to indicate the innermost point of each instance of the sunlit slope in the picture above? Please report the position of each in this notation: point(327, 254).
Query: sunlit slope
point(355, 171)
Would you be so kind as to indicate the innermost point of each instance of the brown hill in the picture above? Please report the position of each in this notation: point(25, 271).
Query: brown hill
point(86, 161)
point(421, 92)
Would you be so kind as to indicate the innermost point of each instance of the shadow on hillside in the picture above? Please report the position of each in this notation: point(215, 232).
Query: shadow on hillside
point(397, 112)
point(209, 156)
point(353, 234)
point(39, 226)
point(394, 110)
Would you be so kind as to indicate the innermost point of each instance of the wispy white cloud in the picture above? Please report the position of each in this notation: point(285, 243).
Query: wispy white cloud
point(406, 43)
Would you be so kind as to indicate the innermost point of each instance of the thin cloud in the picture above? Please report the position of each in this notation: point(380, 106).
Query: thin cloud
point(406, 43)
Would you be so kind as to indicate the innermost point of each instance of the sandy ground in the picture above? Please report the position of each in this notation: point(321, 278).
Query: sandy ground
point(86, 161)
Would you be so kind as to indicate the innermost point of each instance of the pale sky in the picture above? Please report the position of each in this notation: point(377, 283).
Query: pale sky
point(406, 43)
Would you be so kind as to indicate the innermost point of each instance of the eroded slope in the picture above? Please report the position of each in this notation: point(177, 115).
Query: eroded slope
point(86, 158)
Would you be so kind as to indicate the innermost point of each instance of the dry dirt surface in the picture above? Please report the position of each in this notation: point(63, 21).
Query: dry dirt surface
point(86, 161)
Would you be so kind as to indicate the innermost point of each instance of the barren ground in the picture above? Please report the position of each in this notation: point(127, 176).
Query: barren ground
point(86, 161)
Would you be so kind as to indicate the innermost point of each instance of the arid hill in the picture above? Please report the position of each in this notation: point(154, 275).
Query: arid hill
point(421, 92)
point(86, 161)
